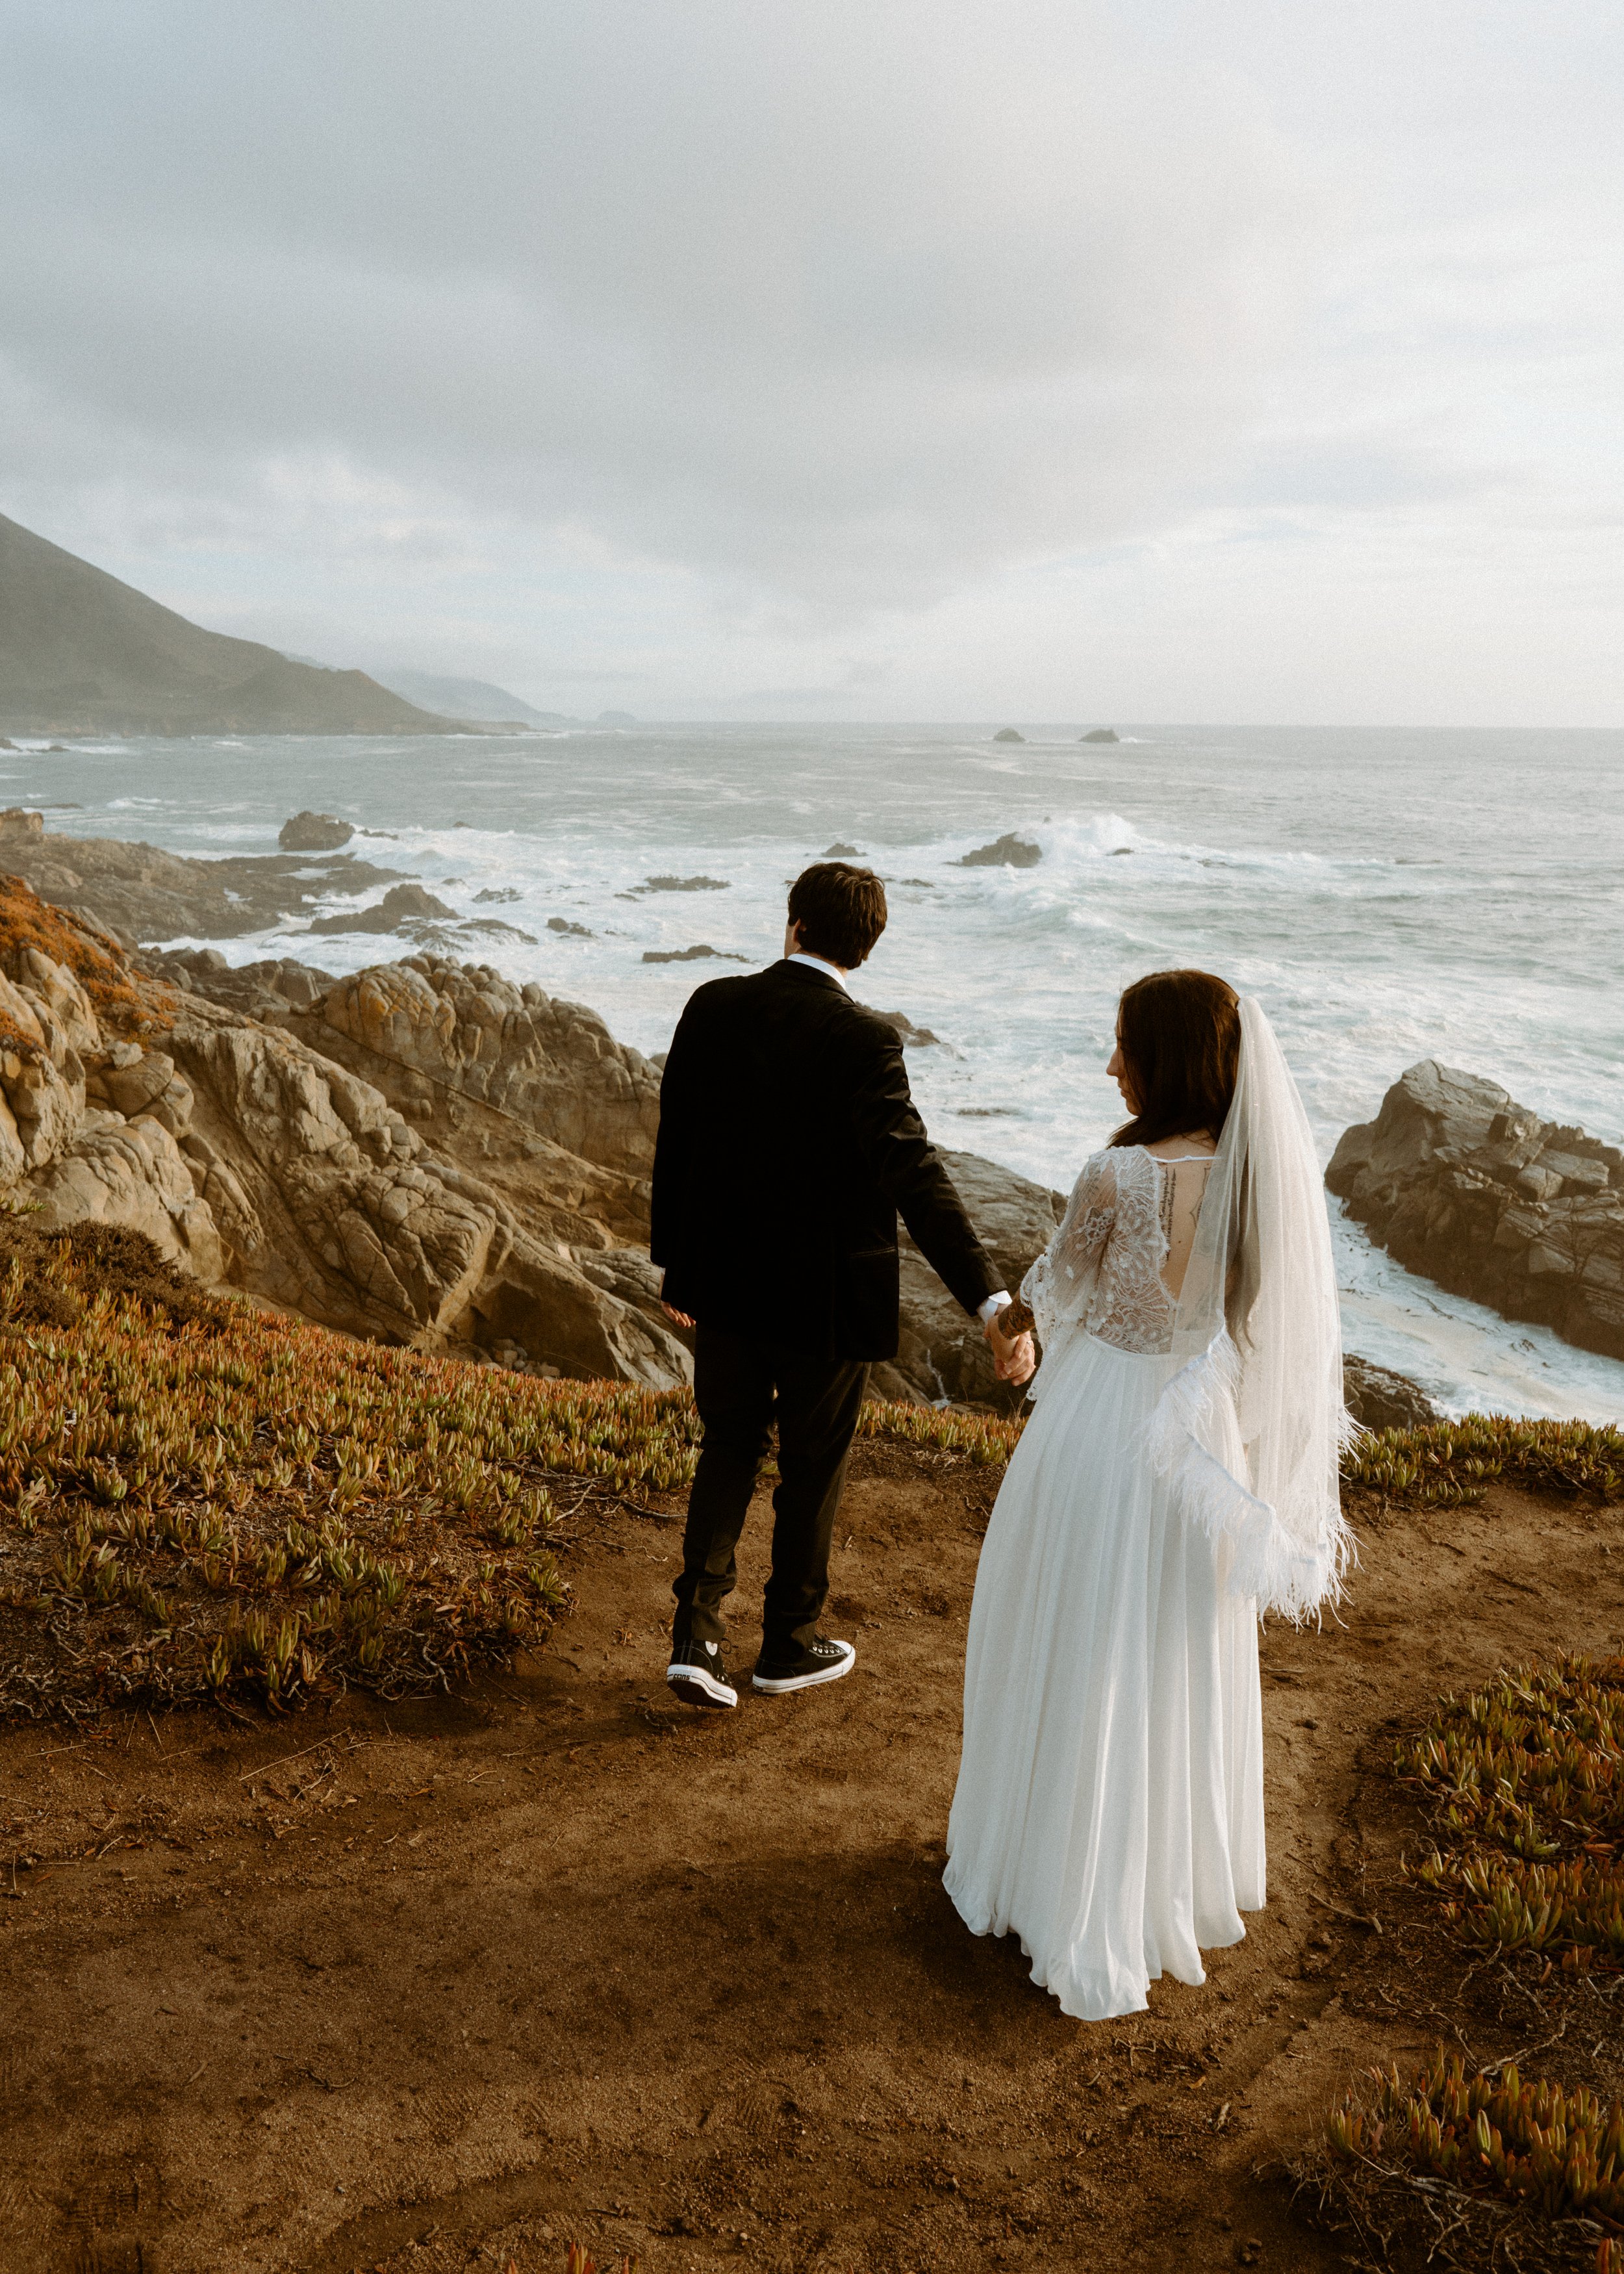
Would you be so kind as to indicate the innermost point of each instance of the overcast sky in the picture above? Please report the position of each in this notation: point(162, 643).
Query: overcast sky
point(880, 358)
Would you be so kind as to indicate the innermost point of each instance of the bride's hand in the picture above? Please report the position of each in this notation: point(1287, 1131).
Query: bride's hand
point(1014, 1357)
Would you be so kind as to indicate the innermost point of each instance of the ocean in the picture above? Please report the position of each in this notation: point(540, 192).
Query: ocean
point(1388, 895)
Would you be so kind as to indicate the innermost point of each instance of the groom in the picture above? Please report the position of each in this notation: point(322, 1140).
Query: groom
point(788, 1146)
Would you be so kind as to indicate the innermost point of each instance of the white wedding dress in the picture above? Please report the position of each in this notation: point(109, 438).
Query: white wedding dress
point(1110, 1804)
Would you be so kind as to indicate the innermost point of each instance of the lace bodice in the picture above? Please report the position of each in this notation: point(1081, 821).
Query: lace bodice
point(1104, 1269)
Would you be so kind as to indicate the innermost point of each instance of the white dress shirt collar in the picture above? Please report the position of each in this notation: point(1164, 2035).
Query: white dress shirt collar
point(818, 964)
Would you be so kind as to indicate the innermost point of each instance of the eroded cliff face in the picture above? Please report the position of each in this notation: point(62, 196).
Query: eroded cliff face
point(259, 1161)
point(1460, 1183)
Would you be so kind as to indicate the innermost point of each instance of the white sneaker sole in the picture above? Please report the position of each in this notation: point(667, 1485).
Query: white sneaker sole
point(771, 1687)
point(697, 1687)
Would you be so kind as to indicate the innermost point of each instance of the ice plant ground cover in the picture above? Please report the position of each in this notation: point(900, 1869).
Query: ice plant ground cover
point(1555, 2157)
point(197, 1499)
point(200, 1499)
point(1526, 1781)
point(1449, 1463)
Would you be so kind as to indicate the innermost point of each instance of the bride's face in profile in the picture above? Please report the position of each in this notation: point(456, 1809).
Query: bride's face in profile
point(1117, 1070)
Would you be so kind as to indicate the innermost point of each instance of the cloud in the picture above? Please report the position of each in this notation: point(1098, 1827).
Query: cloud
point(849, 304)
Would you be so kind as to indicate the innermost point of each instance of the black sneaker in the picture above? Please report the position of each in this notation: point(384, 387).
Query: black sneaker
point(696, 1675)
point(822, 1661)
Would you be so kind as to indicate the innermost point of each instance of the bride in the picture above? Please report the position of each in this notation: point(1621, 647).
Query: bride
point(1177, 1476)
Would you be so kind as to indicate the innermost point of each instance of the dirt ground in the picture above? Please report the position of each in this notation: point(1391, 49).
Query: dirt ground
point(428, 1986)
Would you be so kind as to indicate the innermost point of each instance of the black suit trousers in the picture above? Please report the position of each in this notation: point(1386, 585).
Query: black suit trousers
point(742, 1386)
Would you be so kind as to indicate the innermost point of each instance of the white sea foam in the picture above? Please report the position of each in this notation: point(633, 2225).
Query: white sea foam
point(1388, 897)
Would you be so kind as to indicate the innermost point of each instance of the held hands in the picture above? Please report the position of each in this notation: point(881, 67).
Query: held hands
point(1008, 1336)
point(678, 1318)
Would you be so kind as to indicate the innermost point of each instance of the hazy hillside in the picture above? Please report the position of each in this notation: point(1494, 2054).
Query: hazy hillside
point(470, 698)
point(82, 654)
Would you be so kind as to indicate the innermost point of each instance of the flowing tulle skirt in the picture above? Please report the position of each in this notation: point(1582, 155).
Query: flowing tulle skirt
point(1109, 1806)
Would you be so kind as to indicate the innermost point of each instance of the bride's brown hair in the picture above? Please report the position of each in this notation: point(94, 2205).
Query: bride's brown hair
point(1179, 1032)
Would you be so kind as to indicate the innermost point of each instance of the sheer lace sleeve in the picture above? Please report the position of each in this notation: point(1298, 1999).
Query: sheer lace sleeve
point(1061, 1283)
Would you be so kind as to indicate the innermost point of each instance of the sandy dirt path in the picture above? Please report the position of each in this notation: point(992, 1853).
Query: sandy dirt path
point(431, 1986)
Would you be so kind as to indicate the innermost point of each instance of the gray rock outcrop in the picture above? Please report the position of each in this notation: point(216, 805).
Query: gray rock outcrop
point(140, 893)
point(1101, 735)
point(1008, 735)
point(1458, 1182)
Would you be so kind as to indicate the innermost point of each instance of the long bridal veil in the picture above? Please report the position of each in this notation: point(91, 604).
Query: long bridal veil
point(1260, 1329)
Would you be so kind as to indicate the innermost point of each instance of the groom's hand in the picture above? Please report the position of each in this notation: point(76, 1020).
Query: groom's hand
point(1014, 1357)
point(678, 1318)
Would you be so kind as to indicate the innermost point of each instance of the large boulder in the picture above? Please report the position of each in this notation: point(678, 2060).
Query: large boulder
point(114, 1171)
point(550, 1066)
point(1461, 1184)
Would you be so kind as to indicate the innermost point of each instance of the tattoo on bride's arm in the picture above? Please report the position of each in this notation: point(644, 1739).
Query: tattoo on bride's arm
point(1014, 1319)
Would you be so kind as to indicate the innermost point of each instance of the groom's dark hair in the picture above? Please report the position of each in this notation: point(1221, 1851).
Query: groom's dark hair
point(841, 911)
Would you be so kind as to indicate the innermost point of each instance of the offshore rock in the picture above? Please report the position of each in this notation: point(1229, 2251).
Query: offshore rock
point(1460, 1183)
point(400, 907)
point(1010, 851)
point(314, 832)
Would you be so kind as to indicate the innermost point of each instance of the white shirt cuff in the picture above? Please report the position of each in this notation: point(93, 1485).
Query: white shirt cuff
point(993, 1303)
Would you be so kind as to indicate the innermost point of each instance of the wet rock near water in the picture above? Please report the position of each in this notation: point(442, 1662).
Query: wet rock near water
point(914, 1038)
point(1101, 735)
point(567, 930)
point(139, 894)
point(1010, 851)
point(314, 832)
point(840, 852)
point(1378, 1399)
point(401, 906)
point(1008, 735)
point(676, 885)
point(1458, 1182)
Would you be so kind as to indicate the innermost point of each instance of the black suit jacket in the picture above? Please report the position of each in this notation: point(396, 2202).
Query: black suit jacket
point(788, 1146)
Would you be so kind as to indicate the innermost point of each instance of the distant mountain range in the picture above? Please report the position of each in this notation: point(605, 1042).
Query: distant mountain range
point(82, 654)
point(479, 698)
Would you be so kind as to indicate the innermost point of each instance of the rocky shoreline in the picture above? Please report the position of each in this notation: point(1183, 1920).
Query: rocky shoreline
point(421, 1152)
